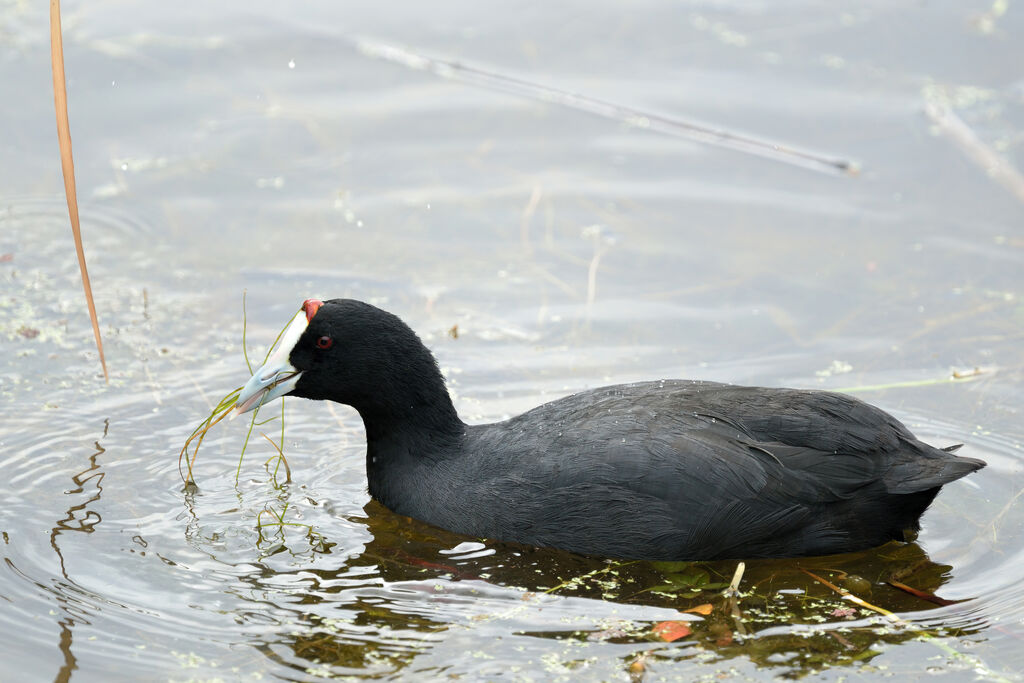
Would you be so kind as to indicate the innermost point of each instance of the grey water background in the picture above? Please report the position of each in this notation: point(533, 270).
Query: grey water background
point(538, 249)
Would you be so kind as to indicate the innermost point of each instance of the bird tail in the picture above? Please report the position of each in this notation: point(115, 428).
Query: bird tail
point(930, 468)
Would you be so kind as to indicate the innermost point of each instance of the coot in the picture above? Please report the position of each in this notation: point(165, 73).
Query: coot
point(668, 470)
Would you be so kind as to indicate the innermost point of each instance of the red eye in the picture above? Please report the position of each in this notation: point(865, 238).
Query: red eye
point(324, 343)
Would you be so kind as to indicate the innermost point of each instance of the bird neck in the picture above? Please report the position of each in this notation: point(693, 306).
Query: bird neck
point(404, 442)
point(411, 418)
point(408, 402)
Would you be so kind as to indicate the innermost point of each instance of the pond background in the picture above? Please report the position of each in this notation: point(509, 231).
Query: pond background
point(538, 249)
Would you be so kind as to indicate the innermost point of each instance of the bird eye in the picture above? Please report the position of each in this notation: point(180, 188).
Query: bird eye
point(324, 343)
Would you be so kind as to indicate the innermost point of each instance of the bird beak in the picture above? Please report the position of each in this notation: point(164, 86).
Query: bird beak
point(277, 376)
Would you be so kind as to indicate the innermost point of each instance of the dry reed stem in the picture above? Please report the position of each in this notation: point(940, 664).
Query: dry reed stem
point(847, 595)
point(732, 595)
point(67, 163)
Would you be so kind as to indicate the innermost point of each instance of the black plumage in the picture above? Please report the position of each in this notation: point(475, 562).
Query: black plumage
point(674, 469)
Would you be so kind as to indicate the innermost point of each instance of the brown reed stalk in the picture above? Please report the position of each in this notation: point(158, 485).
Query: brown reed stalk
point(67, 163)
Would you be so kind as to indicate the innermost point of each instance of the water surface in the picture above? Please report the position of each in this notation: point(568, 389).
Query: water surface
point(256, 147)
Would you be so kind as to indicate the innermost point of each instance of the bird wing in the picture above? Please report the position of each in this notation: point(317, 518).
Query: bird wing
point(696, 482)
point(714, 469)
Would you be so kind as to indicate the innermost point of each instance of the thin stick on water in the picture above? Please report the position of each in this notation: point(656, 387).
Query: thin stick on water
point(67, 164)
point(994, 164)
point(734, 585)
point(847, 595)
point(690, 130)
point(978, 665)
point(952, 378)
point(732, 595)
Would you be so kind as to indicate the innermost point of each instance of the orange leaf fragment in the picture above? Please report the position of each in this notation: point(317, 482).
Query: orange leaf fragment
point(702, 610)
point(670, 631)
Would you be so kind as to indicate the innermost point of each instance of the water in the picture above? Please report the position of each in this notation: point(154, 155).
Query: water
point(254, 146)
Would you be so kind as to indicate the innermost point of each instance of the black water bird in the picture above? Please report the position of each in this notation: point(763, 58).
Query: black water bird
point(670, 470)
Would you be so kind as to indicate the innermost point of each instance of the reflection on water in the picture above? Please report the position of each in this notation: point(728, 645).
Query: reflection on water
point(408, 564)
point(250, 146)
point(81, 519)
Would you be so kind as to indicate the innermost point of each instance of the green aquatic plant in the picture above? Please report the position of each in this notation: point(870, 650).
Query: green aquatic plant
point(270, 517)
point(225, 408)
point(275, 542)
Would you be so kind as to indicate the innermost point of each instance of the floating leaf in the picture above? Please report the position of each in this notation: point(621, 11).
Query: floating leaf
point(670, 631)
